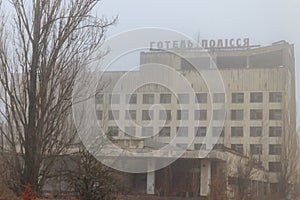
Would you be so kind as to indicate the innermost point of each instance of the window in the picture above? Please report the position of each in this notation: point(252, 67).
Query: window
point(275, 131)
point(165, 98)
point(130, 114)
point(201, 98)
point(130, 130)
point(274, 149)
point(219, 98)
point(113, 115)
point(237, 114)
point(256, 97)
point(165, 132)
point(268, 59)
point(274, 166)
point(200, 131)
point(147, 114)
point(237, 98)
point(274, 187)
point(182, 114)
point(148, 98)
point(231, 61)
point(255, 131)
point(275, 97)
point(237, 131)
point(147, 131)
point(193, 62)
point(183, 99)
point(182, 145)
point(265, 188)
point(99, 98)
point(218, 146)
point(99, 114)
point(219, 114)
point(238, 148)
point(113, 131)
point(256, 114)
point(200, 115)
point(275, 114)
point(165, 115)
point(218, 131)
point(182, 131)
point(131, 99)
point(255, 149)
point(114, 98)
point(200, 146)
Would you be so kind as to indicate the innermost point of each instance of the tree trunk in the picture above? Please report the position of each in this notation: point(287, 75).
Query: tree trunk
point(31, 168)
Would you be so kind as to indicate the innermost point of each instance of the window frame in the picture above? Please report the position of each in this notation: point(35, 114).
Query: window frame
point(252, 128)
point(201, 98)
point(168, 115)
point(144, 128)
point(199, 131)
point(113, 129)
point(256, 114)
point(273, 115)
point(183, 98)
point(162, 129)
point(112, 116)
point(253, 99)
point(183, 114)
point(275, 97)
point(199, 146)
point(182, 131)
point(147, 115)
point(148, 98)
point(238, 148)
point(128, 128)
point(200, 115)
point(274, 129)
point(235, 128)
point(275, 149)
point(234, 113)
point(131, 98)
point(128, 114)
point(256, 149)
point(219, 98)
point(276, 166)
point(237, 97)
point(162, 98)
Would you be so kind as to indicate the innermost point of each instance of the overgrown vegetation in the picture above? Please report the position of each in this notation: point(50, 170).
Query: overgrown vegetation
point(41, 51)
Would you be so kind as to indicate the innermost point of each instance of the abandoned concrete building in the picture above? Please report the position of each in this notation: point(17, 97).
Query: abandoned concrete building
point(259, 110)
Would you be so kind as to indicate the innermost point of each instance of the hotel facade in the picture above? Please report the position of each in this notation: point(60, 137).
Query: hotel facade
point(258, 100)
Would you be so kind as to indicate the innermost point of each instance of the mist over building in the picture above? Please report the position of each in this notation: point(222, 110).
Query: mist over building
point(260, 110)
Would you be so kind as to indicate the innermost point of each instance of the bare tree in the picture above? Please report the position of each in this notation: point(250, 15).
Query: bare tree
point(243, 174)
point(90, 178)
point(218, 186)
point(288, 158)
point(288, 154)
point(49, 43)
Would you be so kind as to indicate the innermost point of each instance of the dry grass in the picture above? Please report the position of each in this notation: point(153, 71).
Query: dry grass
point(6, 194)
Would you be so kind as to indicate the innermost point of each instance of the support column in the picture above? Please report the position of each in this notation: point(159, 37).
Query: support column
point(205, 177)
point(150, 182)
point(151, 177)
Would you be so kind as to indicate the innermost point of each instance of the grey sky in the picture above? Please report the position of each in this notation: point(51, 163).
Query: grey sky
point(263, 21)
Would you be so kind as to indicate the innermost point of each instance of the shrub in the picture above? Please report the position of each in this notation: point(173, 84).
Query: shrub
point(28, 194)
